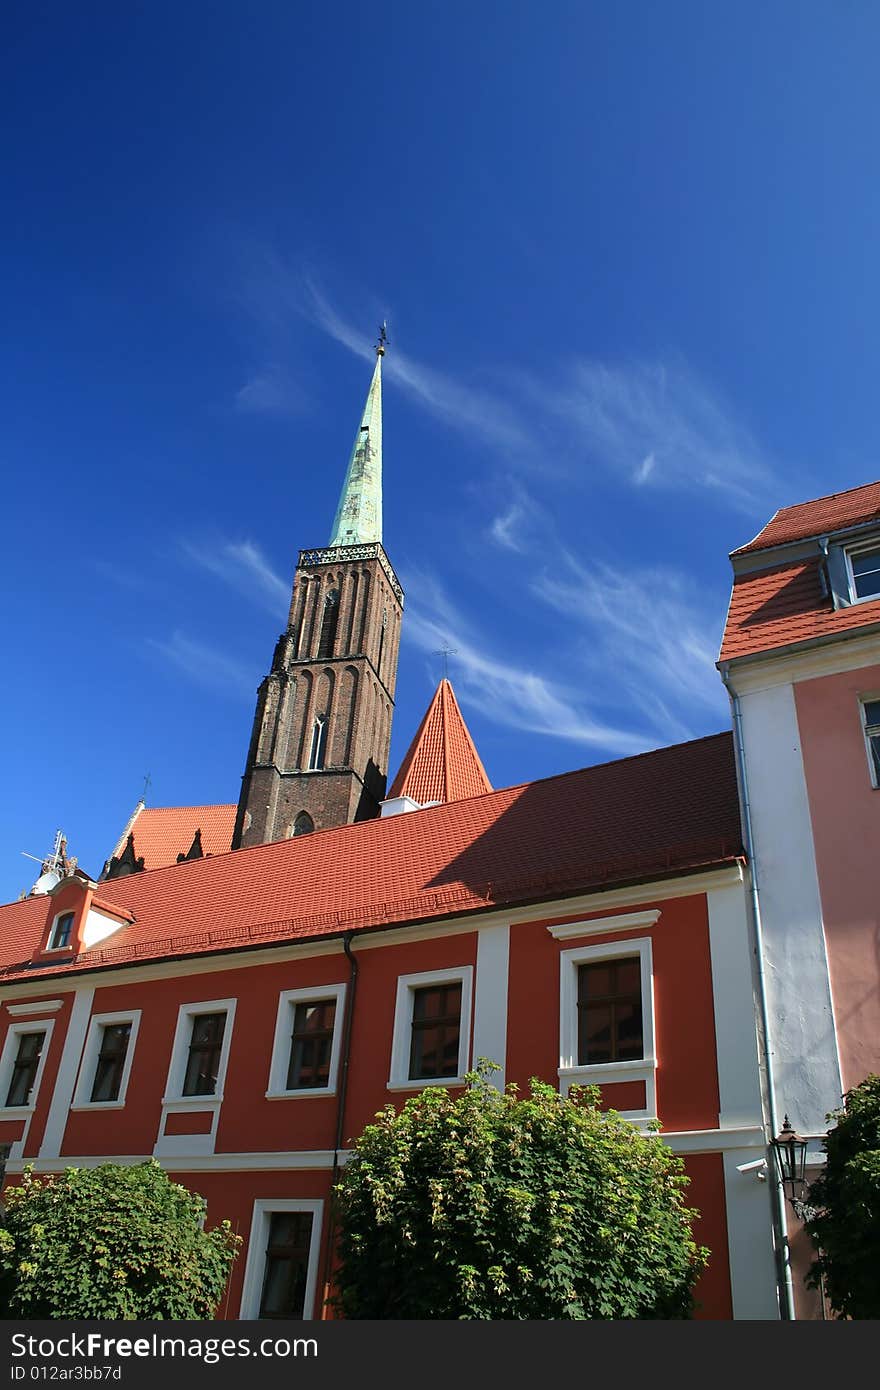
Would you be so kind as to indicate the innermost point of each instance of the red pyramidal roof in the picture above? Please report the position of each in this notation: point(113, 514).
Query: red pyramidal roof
point(442, 763)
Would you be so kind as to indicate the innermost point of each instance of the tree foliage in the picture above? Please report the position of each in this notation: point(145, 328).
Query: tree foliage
point(110, 1242)
point(846, 1198)
point(483, 1205)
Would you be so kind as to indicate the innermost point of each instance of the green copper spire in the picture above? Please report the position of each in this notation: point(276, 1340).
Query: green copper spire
point(358, 518)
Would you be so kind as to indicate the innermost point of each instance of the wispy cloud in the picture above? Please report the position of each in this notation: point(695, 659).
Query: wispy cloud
point(646, 629)
point(656, 424)
point(205, 665)
point(276, 288)
point(271, 391)
point(503, 691)
point(243, 566)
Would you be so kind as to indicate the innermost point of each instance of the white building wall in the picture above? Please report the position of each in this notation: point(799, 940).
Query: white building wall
point(803, 1047)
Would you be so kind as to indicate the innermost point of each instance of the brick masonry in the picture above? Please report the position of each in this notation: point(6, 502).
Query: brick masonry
point(348, 681)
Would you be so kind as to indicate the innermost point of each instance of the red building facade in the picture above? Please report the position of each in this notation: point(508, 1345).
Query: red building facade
point(243, 1016)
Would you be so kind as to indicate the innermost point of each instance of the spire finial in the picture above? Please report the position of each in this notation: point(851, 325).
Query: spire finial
point(382, 342)
point(446, 652)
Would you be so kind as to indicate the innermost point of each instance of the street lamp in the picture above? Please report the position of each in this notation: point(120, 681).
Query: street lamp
point(791, 1158)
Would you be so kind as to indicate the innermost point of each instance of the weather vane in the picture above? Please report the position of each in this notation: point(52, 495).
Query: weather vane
point(446, 652)
point(383, 338)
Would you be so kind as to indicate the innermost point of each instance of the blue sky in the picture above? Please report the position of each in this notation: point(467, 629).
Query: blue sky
point(628, 259)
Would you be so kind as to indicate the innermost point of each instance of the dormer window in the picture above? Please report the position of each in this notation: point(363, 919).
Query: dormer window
point(864, 571)
point(59, 937)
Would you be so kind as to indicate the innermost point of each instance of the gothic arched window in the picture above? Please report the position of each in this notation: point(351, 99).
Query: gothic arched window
point(303, 825)
point(318, 746)
point(329, 623)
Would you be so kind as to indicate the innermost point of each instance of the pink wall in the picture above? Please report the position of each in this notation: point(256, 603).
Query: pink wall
point(845, 816)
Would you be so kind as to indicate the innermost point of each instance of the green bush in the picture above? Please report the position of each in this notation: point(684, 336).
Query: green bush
point(482, 1205)
point(110, 1242)
point(846, 1199)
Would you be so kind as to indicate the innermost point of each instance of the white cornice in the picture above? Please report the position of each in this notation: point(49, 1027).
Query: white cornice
point(565, 931)
point(44, 1006)
point(844, 651)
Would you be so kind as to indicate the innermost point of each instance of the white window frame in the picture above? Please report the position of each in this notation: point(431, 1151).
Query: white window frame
point(280, 1063)
point(7, 1062)
point(400, 1080)
point(849, 552)
point(644, 1068)
point(255, 1267)
point(91, 1051)
point(174, 1099)
point(50, 949)
point(865, 700)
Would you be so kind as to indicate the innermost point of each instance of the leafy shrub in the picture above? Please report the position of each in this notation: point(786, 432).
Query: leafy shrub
point(846, 1199)
point(110, 1242)
point(482, 1205)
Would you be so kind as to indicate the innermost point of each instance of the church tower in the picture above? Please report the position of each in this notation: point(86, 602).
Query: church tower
point(318, 755)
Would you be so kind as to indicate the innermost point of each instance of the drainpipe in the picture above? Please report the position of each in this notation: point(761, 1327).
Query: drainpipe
point(779, 1218)
point(340, 1112)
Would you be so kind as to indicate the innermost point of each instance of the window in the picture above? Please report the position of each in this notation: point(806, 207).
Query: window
point(329, 622)
point(205, 1049)
point(310, 1045)
point(25, 1067)
point(60, 934)
point(436, 1027)
point(606, 1018)
point(199, 1055)
point(303, 825)
point(287, 1264)
point(107, 1059)
point(871, 721)
point(305, 1054)
point(432, 1025)
point(281, 1273)
point(609, 1011)
point(318, 745)
point(111, 1061)
point(864, 568)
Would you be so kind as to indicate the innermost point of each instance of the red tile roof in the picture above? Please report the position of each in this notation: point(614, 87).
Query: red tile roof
point(637, 819)
point(777, 607)
point(818, 518)
point(442, 763)
point(163, 832)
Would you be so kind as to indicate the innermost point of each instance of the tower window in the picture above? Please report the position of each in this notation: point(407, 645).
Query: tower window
point(303, 825)
point(382, 641)
point(318, 745)
point(871, 722)
point(329, 623)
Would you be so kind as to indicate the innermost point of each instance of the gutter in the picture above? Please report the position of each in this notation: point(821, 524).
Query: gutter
point(340, 1116)
point(780, 1226)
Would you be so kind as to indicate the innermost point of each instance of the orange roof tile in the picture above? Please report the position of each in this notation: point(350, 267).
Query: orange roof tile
point(784, 605)
point(442, 763)
point(818, 518)
point(634, 820)
point(163, 832)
